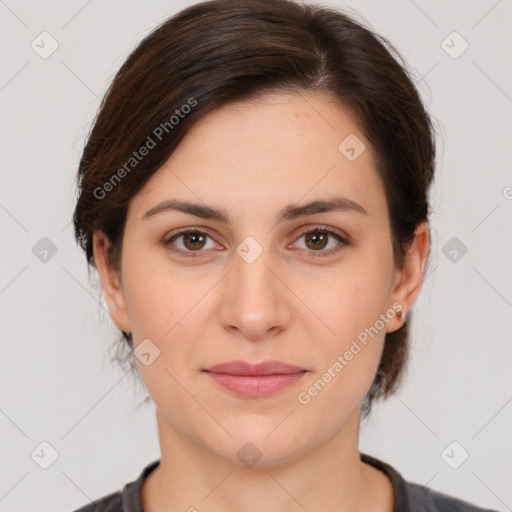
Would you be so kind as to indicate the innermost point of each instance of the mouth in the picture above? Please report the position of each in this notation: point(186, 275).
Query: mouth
point(265, 368)
point(255, 380)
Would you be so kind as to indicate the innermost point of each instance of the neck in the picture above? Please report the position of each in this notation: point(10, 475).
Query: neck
point(330, 477)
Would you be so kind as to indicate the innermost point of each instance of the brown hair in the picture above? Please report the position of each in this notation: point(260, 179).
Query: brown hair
point(219, 51)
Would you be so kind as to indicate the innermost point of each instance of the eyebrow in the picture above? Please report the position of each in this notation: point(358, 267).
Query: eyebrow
point(290, 212)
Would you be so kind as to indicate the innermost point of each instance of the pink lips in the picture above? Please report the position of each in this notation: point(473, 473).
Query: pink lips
point(255, 381)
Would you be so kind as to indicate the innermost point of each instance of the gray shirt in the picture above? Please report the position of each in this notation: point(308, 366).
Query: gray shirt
point(409, 497)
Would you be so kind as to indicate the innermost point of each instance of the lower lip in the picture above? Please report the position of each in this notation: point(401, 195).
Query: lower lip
point(256, 386)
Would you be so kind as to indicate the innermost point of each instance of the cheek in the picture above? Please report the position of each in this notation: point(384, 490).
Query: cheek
point(348, 353)
point(351, 305)
point(150, 306)
point(166, 305)
point(352, 300)
point(156, 295)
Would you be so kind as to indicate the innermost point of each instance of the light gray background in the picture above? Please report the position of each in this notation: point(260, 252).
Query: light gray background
point(58, 384)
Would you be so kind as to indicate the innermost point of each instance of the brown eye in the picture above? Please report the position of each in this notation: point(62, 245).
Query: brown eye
point(317, 239)
point(193, 241)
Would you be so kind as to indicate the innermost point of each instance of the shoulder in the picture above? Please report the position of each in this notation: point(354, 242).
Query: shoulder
point(413, 497)
point(110, 503)
point(126, 500)
point(424, 499)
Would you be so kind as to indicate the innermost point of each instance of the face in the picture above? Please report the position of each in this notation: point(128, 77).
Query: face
point(316, 290)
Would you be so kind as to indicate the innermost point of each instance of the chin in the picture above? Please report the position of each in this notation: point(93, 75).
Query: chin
point(261, 445)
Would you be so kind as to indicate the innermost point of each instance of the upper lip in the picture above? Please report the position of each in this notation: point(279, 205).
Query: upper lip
point(245, 368)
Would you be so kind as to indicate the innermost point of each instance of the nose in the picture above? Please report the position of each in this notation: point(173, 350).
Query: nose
point(255, 304)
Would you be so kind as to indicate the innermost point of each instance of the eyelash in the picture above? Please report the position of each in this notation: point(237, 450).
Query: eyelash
point(311, 254)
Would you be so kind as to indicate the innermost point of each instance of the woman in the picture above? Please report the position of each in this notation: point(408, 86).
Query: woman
point(254, 196)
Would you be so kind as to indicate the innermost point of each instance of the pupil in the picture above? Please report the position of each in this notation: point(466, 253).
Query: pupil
point(195, 238)
point(317, 238)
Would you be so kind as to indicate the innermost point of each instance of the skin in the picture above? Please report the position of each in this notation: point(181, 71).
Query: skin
point(252, 158)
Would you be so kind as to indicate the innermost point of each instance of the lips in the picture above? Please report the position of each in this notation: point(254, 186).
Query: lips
point(255, 380)
point(264, 368)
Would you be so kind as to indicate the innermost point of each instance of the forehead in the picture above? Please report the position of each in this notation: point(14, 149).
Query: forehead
point(277, 149)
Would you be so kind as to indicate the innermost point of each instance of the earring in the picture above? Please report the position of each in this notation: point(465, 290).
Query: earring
point(401, 314)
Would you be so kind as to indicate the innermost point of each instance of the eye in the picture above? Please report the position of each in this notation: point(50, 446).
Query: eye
point(194, 242)
point(317, 239)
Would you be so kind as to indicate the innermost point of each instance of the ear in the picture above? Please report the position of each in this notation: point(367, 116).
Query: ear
point(408, 279)
point(111, 282)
